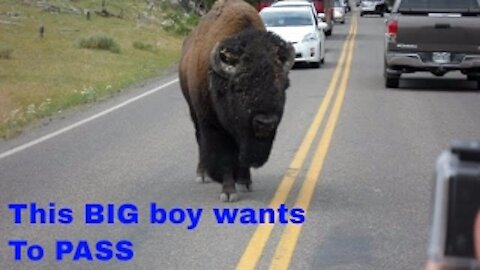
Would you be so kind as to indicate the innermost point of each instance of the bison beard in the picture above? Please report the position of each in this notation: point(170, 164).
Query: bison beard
point(238, 105)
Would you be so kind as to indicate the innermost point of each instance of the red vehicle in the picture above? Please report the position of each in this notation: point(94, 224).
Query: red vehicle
point(263, 3)
point(322, 6)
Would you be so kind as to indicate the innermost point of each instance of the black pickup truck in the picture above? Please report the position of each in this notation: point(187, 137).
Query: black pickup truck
point(435, 36)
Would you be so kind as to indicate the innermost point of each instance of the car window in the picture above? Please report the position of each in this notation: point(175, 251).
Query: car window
point(287, 18)
point(439, 6)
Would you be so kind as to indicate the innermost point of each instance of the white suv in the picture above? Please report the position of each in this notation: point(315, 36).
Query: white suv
point(373, 7)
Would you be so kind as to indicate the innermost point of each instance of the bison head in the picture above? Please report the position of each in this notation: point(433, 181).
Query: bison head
point(248, 76)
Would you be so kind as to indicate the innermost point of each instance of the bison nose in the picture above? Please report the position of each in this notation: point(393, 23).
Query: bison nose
point(264, 125)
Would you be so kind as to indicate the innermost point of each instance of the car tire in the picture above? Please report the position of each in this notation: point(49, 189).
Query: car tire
point(328, 33)
point(474, 78)
point(392, 82)
point(361, 14)
point(315, 64)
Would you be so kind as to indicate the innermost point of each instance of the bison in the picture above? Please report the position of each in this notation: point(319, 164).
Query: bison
point(233, 75)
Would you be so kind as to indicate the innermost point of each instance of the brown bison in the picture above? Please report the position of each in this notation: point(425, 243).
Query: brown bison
point(233, 75)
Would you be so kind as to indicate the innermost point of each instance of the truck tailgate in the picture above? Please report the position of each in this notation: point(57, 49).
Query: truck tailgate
point(439, 33)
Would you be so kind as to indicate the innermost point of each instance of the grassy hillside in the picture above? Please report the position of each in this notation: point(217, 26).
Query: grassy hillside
point(79, 60)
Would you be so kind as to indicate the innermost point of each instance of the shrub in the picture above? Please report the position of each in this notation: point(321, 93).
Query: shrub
point(99, 43)
point(179, 23)
point(6, 52)
point(144, 46)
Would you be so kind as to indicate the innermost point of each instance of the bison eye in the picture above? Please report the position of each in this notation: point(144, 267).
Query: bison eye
point(228, 58)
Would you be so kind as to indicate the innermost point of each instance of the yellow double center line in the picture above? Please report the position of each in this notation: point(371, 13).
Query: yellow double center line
point(289, 238)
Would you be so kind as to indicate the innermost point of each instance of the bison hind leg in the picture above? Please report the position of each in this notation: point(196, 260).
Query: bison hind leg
point(243, 179)
point(202, 175)
point(203, 179)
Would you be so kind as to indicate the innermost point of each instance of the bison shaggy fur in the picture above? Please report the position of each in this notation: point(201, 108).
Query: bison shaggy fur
point(233, 75)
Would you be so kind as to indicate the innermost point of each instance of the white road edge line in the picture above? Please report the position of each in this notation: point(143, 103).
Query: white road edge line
point(82, 122)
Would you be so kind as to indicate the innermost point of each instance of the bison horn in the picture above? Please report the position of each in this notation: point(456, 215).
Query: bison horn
point(222, 61)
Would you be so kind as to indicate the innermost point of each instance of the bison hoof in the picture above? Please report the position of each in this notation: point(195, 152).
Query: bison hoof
point(228, 197)
point(244, 187)
point(203, 179)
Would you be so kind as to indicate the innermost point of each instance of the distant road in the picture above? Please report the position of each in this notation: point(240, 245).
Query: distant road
point(360, 157)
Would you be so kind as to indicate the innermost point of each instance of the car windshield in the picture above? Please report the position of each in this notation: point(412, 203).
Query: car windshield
point(294, 5)
point(462, 6)
point(287, 18)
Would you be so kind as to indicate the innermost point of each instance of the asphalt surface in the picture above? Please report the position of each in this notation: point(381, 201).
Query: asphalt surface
point(370, 208)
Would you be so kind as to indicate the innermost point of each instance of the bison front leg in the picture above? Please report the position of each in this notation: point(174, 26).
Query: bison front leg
point(229, 193)
point(243, 179)
point(218, 155)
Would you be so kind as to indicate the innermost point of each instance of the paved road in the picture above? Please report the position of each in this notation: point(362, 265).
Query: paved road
point(369, 206)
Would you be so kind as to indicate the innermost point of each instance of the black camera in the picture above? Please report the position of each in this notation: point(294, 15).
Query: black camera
point(456, 203)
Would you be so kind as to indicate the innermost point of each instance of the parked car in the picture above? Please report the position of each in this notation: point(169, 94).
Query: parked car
point(323, 8)
point(373, 7)
point(299, 26)
point(435, 36)
point(339, 11)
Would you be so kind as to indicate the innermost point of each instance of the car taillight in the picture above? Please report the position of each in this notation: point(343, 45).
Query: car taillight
point(392, 28)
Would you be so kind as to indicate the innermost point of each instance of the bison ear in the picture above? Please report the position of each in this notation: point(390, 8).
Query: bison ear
point(223, 61)
point(286, 55)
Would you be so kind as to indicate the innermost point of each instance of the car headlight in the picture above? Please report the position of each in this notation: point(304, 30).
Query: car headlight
point(310, 37)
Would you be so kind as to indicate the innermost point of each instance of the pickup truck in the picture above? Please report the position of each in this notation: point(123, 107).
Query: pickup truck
point(434, 36)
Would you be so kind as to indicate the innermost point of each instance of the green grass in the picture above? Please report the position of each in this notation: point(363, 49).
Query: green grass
point(41, 76)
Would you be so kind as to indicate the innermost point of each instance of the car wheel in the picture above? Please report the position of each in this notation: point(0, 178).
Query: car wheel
point(392, 82)
point(382, 14)
point(342, 22)
point(323, 60)
point(474, 78)
point(328, 32)
point(361, 14)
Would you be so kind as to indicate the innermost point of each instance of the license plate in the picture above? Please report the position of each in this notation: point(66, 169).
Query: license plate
point(441, 57)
